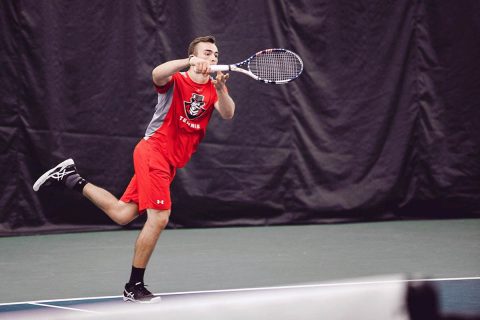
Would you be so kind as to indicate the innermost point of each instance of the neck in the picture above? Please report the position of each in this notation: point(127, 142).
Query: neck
point(198, 77)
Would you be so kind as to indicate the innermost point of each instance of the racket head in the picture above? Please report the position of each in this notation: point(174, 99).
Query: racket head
point(276, 66)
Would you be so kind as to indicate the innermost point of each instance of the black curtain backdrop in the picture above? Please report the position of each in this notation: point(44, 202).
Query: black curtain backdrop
point(382, 124)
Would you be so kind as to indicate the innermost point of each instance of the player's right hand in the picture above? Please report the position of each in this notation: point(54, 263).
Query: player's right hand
point(200, 65)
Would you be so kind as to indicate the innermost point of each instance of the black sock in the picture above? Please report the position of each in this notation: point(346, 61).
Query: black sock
point(136, 275)
point(75, 182)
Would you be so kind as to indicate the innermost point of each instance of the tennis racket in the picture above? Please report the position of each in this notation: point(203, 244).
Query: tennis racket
point(276, 66)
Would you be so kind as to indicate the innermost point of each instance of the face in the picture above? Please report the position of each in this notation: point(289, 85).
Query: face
point(207, 51)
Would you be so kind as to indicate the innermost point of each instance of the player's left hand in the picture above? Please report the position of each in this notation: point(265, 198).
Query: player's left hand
point(220, 80)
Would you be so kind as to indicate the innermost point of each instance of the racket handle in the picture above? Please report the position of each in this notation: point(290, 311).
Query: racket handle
point(219, 67)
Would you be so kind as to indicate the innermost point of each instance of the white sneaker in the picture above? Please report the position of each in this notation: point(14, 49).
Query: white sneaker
point(56, 174)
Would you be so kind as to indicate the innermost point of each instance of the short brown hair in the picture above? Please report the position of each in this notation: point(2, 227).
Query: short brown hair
point(191, 47)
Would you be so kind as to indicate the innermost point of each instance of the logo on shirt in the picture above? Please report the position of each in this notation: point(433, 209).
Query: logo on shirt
point(195, 107)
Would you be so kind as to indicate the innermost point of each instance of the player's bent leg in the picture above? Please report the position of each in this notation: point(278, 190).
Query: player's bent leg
point(66, 173)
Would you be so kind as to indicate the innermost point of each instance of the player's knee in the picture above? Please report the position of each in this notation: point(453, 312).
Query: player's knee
point(158, 219)
point(122, 221)
point(163, 222)
point(124, 213)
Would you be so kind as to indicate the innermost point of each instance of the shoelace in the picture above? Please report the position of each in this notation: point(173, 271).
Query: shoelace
point(60, 174)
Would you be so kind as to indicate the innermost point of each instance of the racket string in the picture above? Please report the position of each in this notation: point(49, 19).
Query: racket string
point(276, 65)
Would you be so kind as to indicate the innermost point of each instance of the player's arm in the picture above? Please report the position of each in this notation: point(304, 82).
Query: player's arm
point(225, 104)
point(163, 73)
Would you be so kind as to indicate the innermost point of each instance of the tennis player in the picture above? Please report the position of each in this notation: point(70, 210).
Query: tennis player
point(185, 104)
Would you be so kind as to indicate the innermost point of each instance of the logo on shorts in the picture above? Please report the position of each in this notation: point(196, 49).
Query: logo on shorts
point(194, 108)
point(160, 202)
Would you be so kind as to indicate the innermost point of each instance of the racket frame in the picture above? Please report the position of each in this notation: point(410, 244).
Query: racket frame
point(236, 66)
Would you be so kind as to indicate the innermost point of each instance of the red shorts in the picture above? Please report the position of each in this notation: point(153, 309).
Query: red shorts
point(150, 185)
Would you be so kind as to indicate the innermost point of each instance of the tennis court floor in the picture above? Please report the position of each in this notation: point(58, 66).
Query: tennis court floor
point(80, 273)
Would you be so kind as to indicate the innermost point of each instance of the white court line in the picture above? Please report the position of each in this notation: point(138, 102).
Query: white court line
point(65, 308)
point(59, 300)
point(318, 285)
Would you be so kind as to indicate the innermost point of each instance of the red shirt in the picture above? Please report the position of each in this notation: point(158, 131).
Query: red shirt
point(182, 113)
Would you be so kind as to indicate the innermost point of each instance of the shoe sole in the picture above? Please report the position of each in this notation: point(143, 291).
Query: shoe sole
point(153, 300)
point(44, 176)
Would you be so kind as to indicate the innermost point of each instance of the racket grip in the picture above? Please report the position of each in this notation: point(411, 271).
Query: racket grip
point(219, 67)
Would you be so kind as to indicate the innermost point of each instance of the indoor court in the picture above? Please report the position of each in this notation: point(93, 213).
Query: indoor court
point(240, 159)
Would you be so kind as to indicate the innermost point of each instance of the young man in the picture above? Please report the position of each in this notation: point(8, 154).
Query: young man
point(185, 105)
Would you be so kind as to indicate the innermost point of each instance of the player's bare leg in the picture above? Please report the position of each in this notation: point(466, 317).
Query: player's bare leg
point(156, 222)
point(135, 289)
point(66, 173)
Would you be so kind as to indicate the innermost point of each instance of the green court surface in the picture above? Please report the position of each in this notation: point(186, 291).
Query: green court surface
point(85, 266)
